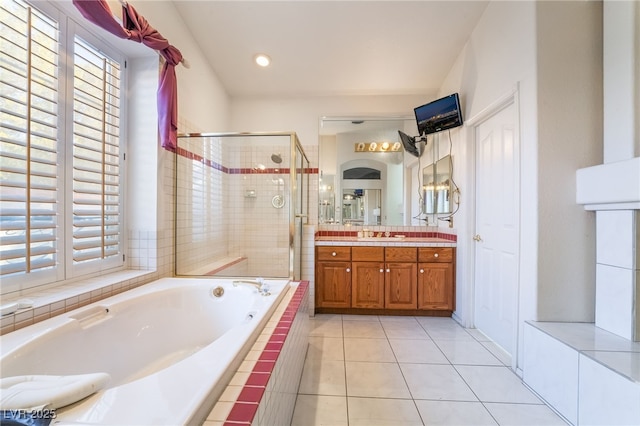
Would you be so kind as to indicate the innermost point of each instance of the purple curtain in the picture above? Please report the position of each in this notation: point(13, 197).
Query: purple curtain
point(137, 28)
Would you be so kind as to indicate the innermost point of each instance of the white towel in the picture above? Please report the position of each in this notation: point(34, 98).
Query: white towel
point(41, 391)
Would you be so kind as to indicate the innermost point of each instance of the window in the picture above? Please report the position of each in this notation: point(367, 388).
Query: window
point(61, 156)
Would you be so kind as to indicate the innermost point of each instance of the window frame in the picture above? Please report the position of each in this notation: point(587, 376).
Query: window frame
point(66, 270)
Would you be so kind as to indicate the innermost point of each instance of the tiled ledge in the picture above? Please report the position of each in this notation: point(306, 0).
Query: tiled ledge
point(55, 300)
point(271, 367)
point(619, 355)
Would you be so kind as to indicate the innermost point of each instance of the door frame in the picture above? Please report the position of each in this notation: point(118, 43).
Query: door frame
point(510, 98)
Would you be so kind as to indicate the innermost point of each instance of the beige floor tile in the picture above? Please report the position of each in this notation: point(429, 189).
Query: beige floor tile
point(326, 348)
point(467, 352)
point(496, 384)
point(368, 350)
point(320, 377)
point(326, 326)
point(365, 370)
point(375, 380)
point(320, 410)
point(436, 382)
point(417, 351)
point(454, 413)
point(403, 330)
point(382, 412)
point(368, 329)
point(373, 318)
point(524, 415)
point(447, 332)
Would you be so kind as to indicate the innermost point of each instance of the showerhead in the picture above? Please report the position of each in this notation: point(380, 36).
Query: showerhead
point(276, 158)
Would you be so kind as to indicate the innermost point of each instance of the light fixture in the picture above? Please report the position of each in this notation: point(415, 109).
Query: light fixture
point(377, 147)
point(262, 59)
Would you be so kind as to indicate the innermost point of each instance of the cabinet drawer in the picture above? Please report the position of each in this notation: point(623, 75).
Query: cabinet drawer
point(435, 254)
point(400, 254)
point(333, 253)
point(367, 254)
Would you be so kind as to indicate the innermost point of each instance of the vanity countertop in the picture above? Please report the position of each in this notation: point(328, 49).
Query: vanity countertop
point(384, 241)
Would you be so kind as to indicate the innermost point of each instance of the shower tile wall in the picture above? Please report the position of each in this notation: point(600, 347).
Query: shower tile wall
point(201, 231)
point(260, 230)
point(225, 191)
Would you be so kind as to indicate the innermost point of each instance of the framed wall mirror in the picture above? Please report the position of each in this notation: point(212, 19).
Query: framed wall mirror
point(365, 176)
point(437, 187)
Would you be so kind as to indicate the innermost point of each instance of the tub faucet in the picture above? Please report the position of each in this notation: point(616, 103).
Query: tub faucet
point(259, 283)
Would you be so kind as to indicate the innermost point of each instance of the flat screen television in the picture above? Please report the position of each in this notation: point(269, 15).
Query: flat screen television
point(409, 144)
point(441, 114)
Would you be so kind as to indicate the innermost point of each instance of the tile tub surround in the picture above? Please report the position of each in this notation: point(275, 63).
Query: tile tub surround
point(55, 300)
point(589, 375)
point(264, 388)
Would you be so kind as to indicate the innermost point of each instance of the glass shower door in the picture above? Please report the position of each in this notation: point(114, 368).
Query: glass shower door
point(301, 193)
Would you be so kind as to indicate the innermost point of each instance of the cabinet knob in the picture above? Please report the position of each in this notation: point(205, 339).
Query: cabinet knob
point(334, 254)
point(388, 270)
point(348, 269)
point(381, 270)
point(422, 271)
point(435, 255)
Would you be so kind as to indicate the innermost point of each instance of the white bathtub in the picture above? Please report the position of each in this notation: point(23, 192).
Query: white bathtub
point(170, 348)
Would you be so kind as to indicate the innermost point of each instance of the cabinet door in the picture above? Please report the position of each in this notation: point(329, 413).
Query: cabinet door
point(400, 285)
point(435, 286)
point(368, 285)
point(333, 285)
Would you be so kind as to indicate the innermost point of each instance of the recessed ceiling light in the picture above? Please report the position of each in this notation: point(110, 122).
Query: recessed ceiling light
point(262, 59)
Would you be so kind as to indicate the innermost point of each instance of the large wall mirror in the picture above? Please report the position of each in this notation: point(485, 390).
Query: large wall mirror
point(365, 176)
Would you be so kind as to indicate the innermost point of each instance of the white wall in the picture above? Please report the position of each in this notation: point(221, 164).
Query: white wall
point(550, 52)
point(499, 57)
point(202, 99)
point(570, 123)
point(302, 115)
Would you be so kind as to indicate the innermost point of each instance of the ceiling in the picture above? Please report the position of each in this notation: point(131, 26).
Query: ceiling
point(331, 48)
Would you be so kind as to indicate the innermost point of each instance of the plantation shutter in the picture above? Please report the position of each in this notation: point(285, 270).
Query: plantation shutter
point(29, 191)
point(97, 231)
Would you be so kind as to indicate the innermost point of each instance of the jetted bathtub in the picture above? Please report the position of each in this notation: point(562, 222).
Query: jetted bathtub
point(170, 347)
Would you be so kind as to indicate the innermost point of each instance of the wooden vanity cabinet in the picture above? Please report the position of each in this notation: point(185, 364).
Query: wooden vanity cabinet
point(333, 275)
point(368, 277)
point(436, 269)
point(401, 278)
point(385, 280)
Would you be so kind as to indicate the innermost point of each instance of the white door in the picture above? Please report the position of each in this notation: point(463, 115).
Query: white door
point(497, 228)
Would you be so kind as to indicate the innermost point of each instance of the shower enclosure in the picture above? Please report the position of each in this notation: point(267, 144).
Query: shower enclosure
point(241, 201)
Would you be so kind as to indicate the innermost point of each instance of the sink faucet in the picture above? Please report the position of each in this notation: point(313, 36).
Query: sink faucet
point(259, 283)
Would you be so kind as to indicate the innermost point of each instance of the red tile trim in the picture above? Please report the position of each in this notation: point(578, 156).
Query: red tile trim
point(246, 406)
point(242, 412)
point(258, 379)
point(182, 152)
point(251, 394)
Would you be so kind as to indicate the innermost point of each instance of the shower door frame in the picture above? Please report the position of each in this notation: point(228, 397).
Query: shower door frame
point(295, 146)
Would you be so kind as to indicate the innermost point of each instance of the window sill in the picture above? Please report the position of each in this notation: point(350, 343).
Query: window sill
point(53, 301)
